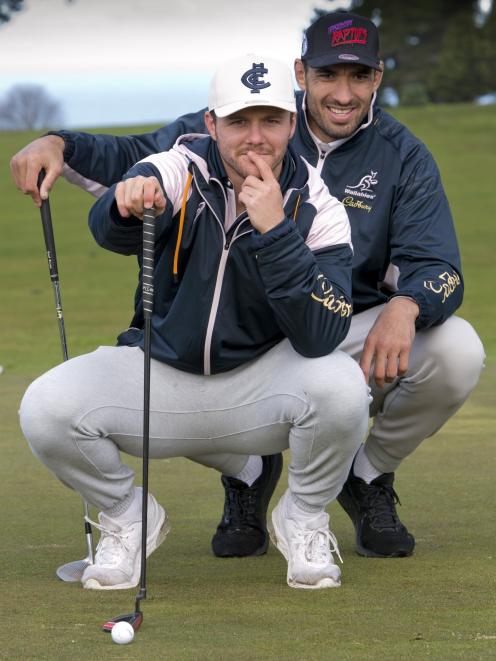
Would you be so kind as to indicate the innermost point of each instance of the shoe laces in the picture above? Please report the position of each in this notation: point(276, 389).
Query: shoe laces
point(380, 501)
point(319, 544)
point(112, 543)
point(240, 505)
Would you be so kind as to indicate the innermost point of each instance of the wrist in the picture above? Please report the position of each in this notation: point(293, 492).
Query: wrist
point(58, 140)
point(407, 304)
point(270, 226)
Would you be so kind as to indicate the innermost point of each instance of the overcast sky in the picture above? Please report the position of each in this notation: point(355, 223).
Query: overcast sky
point(131, 61)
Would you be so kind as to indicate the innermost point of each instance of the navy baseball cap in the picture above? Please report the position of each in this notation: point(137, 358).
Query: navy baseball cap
point(341, 38)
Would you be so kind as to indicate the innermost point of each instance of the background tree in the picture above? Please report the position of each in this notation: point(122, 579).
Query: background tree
point(465, 66)
point(435, 50)
point(29, 107)
point(7, 7)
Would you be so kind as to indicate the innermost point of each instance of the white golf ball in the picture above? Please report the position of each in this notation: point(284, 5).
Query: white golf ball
point(122, 633)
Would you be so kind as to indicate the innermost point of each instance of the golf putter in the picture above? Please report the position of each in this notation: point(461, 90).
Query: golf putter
point(136, 617)
point(71, 572)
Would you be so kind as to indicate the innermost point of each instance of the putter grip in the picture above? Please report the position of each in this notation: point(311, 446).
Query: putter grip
point(148, 260)
point(46, 220)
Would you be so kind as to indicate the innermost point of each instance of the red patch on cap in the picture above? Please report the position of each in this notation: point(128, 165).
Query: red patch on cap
point(349, 36)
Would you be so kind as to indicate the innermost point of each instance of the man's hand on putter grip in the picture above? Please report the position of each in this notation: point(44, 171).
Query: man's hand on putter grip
point(134, 195)
point(262, 196)
point(44, 153)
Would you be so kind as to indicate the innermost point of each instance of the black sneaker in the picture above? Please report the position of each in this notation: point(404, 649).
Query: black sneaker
point(242, 530)
point(372, 508)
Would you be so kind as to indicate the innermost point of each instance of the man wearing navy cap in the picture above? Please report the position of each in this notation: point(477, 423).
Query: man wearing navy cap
point(421, 360)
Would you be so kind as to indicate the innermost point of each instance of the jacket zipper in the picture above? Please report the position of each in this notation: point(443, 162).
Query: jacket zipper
point(207, 368)
point(218, 283)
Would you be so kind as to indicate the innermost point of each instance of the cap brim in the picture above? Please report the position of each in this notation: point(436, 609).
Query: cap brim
point(329, 59)
point(231, 108)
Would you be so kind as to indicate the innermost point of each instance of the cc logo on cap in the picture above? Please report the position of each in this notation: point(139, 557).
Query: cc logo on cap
point(253, 78)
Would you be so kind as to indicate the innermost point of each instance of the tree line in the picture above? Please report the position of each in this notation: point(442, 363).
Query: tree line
point(438, 51)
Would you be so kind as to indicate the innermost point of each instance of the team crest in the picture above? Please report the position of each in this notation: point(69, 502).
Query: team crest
point(253, 78)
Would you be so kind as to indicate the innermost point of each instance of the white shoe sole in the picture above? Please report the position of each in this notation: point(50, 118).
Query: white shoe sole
point(152, 543)
point(279, 542)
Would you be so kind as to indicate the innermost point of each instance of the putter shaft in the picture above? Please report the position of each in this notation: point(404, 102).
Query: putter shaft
point(136, 618)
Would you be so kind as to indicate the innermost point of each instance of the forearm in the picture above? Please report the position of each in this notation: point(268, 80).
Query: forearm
point(437, 290)
point(116, 219)
point(106, 158)
point(309, 294)
point(424, 245)
point(110, 230)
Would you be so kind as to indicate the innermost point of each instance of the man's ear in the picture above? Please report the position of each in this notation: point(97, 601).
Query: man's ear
point(378, 77)
point(210, 124)
point(293, 125)
point(299, 70)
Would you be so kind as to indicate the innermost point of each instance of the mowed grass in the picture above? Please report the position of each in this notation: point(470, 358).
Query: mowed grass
point(438, 604)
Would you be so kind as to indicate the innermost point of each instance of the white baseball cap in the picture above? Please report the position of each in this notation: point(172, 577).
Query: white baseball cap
point(251, 80)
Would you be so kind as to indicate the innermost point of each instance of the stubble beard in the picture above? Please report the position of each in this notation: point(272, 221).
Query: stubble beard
point(243, 171)
point(329, 130)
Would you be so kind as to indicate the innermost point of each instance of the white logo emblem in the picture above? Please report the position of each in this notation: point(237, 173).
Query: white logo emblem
point(364, 186)
point(304, 46)
point(201, 206)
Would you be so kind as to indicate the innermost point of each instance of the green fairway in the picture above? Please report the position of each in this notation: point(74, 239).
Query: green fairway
point(438, 604)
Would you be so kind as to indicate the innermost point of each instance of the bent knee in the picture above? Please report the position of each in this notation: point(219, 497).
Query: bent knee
point(336, 384)
point(456, 355)
point(42, 415)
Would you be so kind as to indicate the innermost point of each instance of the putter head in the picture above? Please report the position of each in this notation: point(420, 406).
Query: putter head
point(135, 619)
point(72, 572)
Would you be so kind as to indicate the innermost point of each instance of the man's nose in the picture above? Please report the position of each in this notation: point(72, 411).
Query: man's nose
point(255, 134)
point(342, 91)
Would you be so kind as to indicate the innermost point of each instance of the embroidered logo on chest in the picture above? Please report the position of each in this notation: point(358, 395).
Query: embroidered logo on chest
point(364, 186)
point(364, 189)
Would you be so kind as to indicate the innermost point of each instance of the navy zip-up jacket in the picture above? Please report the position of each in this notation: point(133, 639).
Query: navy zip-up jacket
point(403, 236)
point(224, 293)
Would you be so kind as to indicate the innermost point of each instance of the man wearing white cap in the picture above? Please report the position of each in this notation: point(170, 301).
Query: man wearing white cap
point(252, 297)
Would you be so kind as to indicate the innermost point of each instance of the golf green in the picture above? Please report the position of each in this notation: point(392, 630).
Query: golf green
point(438, 604)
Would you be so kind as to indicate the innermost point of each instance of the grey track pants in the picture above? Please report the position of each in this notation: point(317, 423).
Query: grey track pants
point(444, 367)
point(81, 415)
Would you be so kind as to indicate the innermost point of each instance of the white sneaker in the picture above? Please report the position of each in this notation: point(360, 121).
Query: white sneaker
point(118, 554)
point(307, 544)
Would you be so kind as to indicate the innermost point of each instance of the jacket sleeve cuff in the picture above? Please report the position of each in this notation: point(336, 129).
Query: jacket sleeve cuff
point(424, 318)
point(69, 144)
point(260, 241)
point(124, 223)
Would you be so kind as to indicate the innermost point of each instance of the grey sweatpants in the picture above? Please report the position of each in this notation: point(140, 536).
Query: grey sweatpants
point(444, 367)
point(81, 415)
